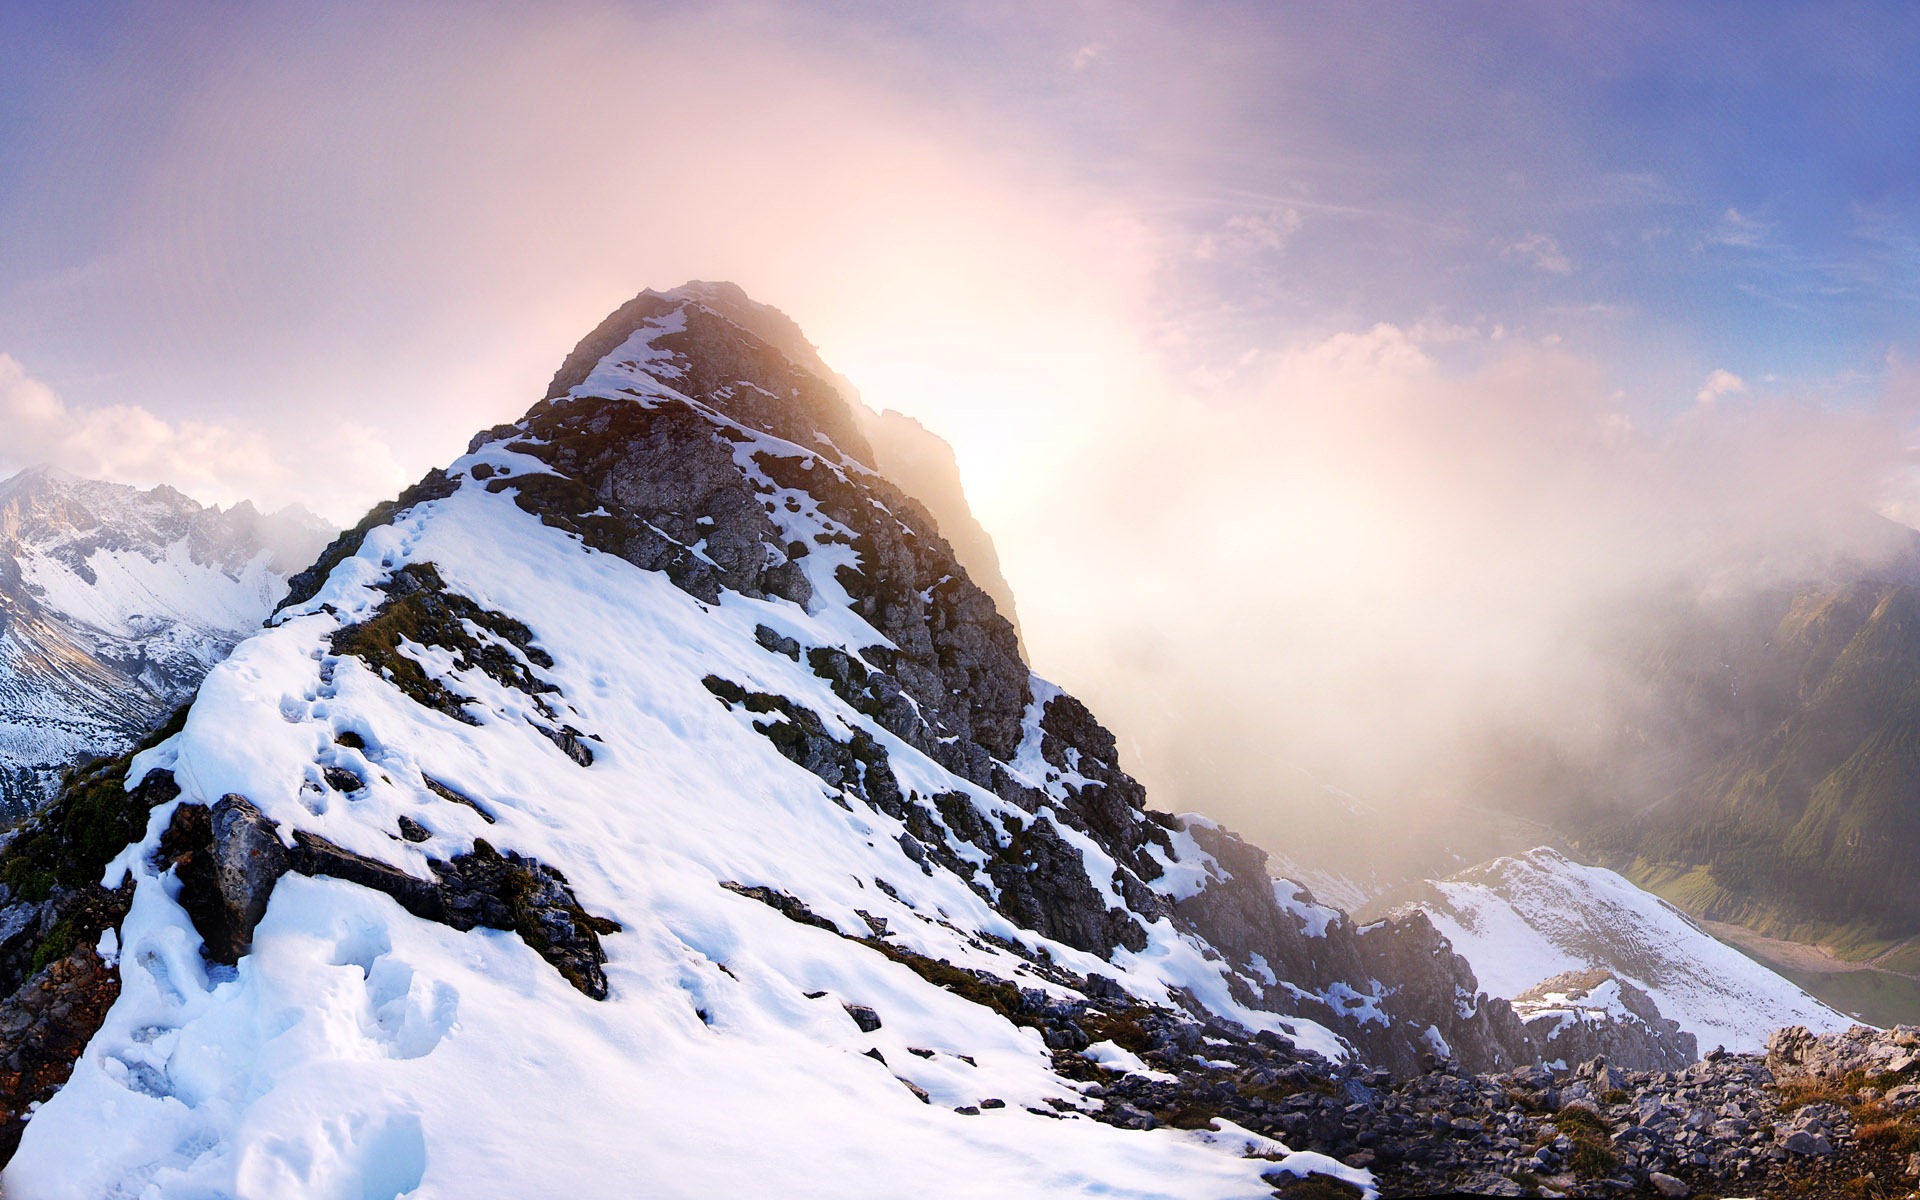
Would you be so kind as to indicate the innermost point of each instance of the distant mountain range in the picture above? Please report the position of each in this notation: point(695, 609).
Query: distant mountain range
point(114, 602)
point(1772, 776)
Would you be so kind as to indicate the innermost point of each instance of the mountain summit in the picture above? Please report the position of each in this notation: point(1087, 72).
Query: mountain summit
point(651, 802)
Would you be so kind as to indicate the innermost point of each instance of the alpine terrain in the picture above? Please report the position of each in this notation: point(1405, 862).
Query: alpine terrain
point(1537, 926)
point(651, 802)
point(113, 604)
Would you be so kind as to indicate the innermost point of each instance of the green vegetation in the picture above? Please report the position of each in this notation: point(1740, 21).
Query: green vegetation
point(997, 994)
point(1796, 819)
point(95, 816)
point(420, 609)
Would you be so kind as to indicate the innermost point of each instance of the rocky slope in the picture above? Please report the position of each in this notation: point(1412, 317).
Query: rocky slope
point(651, 801)
point(1522, 918)
point(906, 453)
point(113, 604)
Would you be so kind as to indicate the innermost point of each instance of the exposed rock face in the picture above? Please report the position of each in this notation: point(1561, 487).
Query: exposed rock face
point(228, 860)
point(1580, 1015)
point(905, 452)
point(113, 604)
point(1395, 988)
point(920, 463)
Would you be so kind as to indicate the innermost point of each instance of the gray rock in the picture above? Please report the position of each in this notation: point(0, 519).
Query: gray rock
point(248, 861)
point(867, 1019)
point(1668, 1186)
point(1126, 1116)
point(1802, 1142)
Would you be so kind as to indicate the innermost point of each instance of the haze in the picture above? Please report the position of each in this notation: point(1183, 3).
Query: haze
point(1324, 373)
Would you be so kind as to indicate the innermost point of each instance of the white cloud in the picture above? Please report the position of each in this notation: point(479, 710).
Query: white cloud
point(1743, 230)
point(1250, 233)
point(1721, 383)
point(1539, 250)
point(126, 443)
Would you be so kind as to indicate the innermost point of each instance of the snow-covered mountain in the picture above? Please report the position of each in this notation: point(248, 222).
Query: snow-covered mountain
point(1524, 919)
point(113, 604)
point(909, 455)
point(651, 803)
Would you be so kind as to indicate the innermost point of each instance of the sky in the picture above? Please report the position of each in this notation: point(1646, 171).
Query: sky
point(1312, 364)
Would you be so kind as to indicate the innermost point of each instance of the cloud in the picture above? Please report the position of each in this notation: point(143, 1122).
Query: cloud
point(1250, 233)
point(1720, 383)
point(1742, 230)
point(1365, 549)
point(127, 443)
point(1539, 250)
point(411, 248)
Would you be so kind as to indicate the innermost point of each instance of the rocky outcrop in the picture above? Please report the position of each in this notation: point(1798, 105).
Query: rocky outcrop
point(1580, 1015)
point(44, 1025)
point(228, 859)
point(906, 453)
point(1795, 1052)
point(1395, 989)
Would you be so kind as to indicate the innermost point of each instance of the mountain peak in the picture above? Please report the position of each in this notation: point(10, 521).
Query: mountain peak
point(660, 737)
point(676, 346)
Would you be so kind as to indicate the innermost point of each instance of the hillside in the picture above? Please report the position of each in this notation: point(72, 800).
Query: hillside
point(1524, 919)
point(1795, 816)
point(650, 800)
point(113, 604)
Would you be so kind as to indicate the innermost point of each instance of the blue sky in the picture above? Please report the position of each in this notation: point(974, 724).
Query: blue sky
point(1680, 188)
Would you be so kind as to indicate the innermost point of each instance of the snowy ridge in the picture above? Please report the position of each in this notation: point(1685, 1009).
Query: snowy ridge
point(640, 739)
point(113, 604)
point(1520, 920)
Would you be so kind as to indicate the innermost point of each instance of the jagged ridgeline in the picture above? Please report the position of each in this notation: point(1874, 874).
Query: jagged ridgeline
point(113, 604)
point(651, 801)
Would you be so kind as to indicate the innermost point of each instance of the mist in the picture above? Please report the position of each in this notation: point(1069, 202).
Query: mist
point(1334, 586)
point(1334, 388)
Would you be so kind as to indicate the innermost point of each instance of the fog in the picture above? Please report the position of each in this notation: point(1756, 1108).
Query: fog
point(1331, 383)
point(1357, 565)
